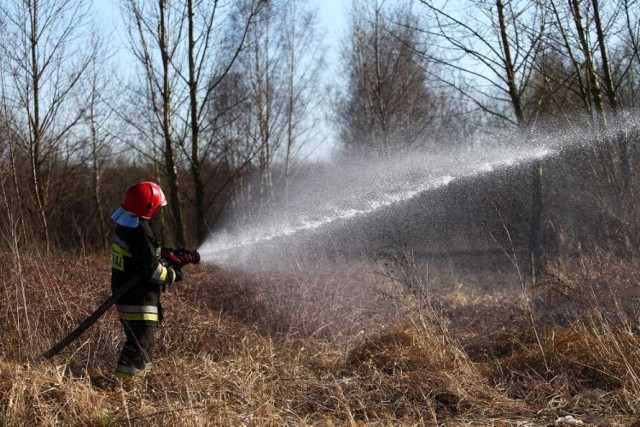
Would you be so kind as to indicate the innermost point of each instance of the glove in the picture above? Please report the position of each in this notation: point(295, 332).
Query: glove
point(178, 274)
point(174, 274)
point(168, 255)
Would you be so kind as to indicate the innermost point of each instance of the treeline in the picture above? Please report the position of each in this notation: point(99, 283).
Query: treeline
point(225, 101)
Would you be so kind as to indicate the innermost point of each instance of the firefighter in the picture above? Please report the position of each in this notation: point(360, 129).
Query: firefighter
point(137, 252)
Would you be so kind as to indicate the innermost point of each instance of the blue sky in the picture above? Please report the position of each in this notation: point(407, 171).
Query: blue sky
point(332, 17)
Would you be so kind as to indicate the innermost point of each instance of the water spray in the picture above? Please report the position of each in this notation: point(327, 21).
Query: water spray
point(398, 181)
point(350, 192)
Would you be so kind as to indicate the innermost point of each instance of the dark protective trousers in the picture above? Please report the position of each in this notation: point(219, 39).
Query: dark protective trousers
point(137, 350)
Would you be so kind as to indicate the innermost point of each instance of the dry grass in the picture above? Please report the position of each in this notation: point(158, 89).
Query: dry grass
point(355, 345)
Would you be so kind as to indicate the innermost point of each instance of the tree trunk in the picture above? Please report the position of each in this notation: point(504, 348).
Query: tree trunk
point(96, 171)
point(263, 101)
point(593, 82)
point(291, 104)
point(537, 203)
point(610, 89)
point(169, 155)
point(196, 172)
point(36, 131)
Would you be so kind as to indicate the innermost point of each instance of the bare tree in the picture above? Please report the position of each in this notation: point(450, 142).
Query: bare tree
point(98, 120)
point(281, 65)
point(204, 76)
point(186, 53)
point(263, 76)
point(631, 38)
point(43, 52)
point(231, 148)
point(627, 63)
point(593, 81)
point(155, 36)
point(491, 52)
point(589, 33)
point(304, 59)
point(494, 47)
point(389, 99)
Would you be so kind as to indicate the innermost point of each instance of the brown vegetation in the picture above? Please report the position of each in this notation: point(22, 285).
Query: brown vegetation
point(349, 349)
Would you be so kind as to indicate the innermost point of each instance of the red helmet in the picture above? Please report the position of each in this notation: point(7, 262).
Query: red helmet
point(143, 199)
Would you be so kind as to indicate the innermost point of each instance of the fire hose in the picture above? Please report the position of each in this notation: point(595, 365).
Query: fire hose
point(176, 258)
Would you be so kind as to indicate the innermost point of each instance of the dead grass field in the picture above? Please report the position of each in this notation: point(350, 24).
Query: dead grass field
point(385, 343)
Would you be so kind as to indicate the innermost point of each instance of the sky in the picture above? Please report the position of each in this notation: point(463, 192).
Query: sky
point(332, 18)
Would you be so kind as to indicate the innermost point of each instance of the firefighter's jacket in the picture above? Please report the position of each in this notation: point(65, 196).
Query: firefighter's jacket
point(136, 251)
